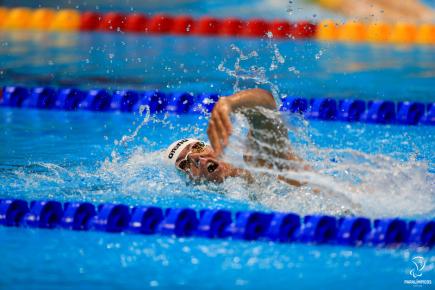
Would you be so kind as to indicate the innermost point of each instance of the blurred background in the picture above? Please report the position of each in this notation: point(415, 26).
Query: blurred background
point(409, 10)
point(345, 69)
point(240, 8)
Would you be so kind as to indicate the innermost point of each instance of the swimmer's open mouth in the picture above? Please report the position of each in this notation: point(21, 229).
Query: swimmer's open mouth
point(212, 166)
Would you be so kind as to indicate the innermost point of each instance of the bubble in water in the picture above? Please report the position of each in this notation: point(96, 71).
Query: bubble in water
point(294, 70)
point(319, 54)
point(290, 8)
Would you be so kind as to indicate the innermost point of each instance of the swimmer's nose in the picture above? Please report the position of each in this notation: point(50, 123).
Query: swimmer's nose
point(207, 163)
point(198, 160)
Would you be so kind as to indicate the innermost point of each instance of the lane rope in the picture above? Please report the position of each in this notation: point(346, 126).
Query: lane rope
point(346, 110)
point(326, 30)
point(218, 224)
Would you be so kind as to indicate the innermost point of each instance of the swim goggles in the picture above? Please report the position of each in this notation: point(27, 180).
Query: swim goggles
point(186, 162)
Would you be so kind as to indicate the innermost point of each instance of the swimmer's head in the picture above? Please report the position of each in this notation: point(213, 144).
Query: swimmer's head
point(198, 160)
point(174, 150)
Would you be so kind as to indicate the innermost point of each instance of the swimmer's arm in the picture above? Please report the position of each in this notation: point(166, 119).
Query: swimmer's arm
point(267, 132)
point(265, 128)
point(220, 127)
point(249, 103)
point(252, 98)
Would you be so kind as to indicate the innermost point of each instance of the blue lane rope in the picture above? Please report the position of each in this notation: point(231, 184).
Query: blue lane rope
point(218, 224)
point(348, 110)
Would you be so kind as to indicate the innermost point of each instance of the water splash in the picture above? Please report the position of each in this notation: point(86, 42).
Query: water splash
point(255, 73)
point(294, 70)
point(341, 181)
point(318, 54)
point(128, 138)
point(277, 58)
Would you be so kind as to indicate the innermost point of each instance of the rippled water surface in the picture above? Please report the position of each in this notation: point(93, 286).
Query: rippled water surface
point(307, 68)
point(73, 156)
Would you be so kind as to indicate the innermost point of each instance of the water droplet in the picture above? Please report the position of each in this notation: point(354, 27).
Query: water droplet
point(319, 54)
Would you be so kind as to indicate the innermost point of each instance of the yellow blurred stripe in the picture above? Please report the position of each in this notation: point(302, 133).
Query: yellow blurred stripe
point(405, 33)
point(378, 32)
point(41, 18)
point(17, 18)
point(327, 30)
point(426, 34)
point(66, 20)
point(3, 13)
point(352, 31)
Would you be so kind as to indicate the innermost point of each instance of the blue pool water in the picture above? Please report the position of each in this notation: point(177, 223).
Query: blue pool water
point(310, 69)
point(79, 156)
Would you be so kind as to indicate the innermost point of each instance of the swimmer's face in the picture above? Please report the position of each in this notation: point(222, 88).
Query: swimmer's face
point(200, 162)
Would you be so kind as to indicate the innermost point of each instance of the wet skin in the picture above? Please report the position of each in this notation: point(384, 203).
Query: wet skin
point(205, 165)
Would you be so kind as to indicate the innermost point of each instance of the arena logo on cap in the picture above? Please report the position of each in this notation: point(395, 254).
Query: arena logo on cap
point(171, 154)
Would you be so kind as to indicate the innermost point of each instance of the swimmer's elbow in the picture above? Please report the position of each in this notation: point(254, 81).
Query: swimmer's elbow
point(252, 98)
point(267, 98)
point(261, 92)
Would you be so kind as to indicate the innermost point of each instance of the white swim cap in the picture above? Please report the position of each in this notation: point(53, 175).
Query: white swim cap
point(174, 150)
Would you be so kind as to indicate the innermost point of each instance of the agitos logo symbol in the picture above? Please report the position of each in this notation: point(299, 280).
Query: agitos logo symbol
point(416, 272)
point(419, 264)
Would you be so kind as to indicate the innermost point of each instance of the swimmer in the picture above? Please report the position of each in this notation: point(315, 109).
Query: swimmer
point(267, 141)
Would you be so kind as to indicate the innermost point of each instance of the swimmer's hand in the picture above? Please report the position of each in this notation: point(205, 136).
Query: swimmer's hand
point(220, 127)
